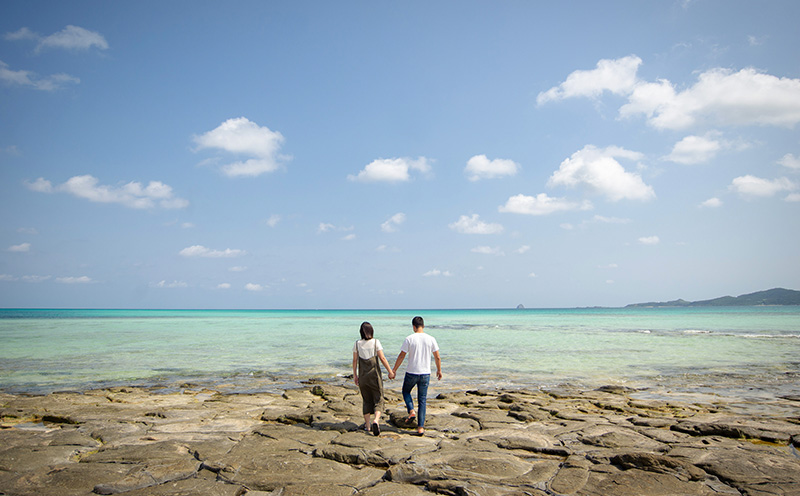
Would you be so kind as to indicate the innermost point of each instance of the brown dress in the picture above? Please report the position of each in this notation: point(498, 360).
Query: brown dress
point(370, 382)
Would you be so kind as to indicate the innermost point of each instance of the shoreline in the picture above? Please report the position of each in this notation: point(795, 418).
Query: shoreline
point(301, 441)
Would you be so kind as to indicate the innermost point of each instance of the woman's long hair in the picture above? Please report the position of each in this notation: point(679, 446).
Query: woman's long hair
point(366, 331)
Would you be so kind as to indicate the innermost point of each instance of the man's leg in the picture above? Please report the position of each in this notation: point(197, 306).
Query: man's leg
point(409, 381)
point(422, 400)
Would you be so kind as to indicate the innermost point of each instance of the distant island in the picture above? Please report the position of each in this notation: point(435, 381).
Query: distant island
point(777, 296)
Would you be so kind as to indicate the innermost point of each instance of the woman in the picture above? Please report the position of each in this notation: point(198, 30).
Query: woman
point(367, 373)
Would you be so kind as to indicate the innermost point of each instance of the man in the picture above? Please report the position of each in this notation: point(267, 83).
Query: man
point(419, 347)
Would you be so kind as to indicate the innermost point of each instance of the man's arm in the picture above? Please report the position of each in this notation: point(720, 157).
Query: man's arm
point(400, 358)
point(438, 360)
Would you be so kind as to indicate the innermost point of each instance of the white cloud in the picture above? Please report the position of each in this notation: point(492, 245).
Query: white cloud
point(241, 136)
point(488, 250)
point(224, 285)
point(610, 220)
point(541, 204)
point(28, 78)
point(20, 248)
point(273, 220)
point(790, 161)
point(711, 203)
point(532, 275)
point(437, 273)
point(391, 170)
point(202, 251)
point(793, 197)
point(70, 38)
point(36, 279)
point(394, 221)
point(695, 149)
point(720, 96)
point(480, 167)
point(750, 186)
point(21, 34)
point(237, 268)
point(132, 195)
point(8, 278)
point(649, 240)
point(609, 266)
point(599, 170)
point(473, 225)
point(349, 237)
point(169, 285)
point(253, 287)
point(325, 227)
point(617, 76)
point(523, 249)
point(567, 226)
point(75, 280)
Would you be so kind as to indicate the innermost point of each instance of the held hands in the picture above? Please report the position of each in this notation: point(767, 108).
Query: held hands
point(392, 375)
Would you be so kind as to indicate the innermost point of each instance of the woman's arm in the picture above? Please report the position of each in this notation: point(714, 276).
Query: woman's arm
point(355, 367)
point(385, 363)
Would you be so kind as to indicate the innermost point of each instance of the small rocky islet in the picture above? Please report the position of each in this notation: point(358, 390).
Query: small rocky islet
point(308, 441)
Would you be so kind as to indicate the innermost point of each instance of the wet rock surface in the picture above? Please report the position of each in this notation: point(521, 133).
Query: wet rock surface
point(138, 442)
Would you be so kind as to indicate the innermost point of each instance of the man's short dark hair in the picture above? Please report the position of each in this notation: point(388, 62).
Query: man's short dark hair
point(417, 322)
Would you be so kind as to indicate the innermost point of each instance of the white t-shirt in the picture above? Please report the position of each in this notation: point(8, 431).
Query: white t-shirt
point(419, 347)
point(367, 349)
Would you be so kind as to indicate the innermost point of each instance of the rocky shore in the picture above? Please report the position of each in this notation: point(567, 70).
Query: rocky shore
point(141, 442)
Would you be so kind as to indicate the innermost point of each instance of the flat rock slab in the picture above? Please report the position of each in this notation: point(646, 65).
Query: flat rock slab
point(311, 441)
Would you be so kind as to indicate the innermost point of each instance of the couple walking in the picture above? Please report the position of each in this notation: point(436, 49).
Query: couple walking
point(368, 351)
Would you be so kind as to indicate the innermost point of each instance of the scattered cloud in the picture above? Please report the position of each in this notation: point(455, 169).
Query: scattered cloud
point(224, 285)
point(392, 170)
point(437, 273)
point(20, 248)
point(36, 279)
point(711, 203)
point(253, 287)
point(790, 161)
point(719, 97)
point(29, 79)
point(480, 167)
point(132, 194)
point(609, 266)
point(695, 149)
point(616, 76)
point(649, 240)
point(532, 275)
point(28, 230)
point(599, 170)
point(75, 280)
point(793, 197)
point(169, 285)
point(488, 250)
point(349, 237)
point(752, 186)
point(473, 225)
point(70, 38)
point(273, 220)
point(240, 136)
point(610, 220)
point(394, 221)
point(541, 204)
point(324, 227)
point(523, 249)
point(237, 268)
point(202, 251)
point(8, 278)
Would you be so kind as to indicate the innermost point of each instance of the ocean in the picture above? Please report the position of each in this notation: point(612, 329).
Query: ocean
point(749, 352)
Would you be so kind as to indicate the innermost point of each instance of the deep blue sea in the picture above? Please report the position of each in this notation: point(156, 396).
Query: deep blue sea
point(735, 350)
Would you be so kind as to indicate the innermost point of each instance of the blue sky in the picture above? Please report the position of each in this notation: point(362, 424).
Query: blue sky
point(397, 155)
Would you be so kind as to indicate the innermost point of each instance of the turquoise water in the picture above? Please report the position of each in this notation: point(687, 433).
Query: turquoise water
point(753, 347)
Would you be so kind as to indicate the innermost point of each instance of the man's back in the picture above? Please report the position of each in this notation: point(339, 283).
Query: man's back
point(419, 347)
